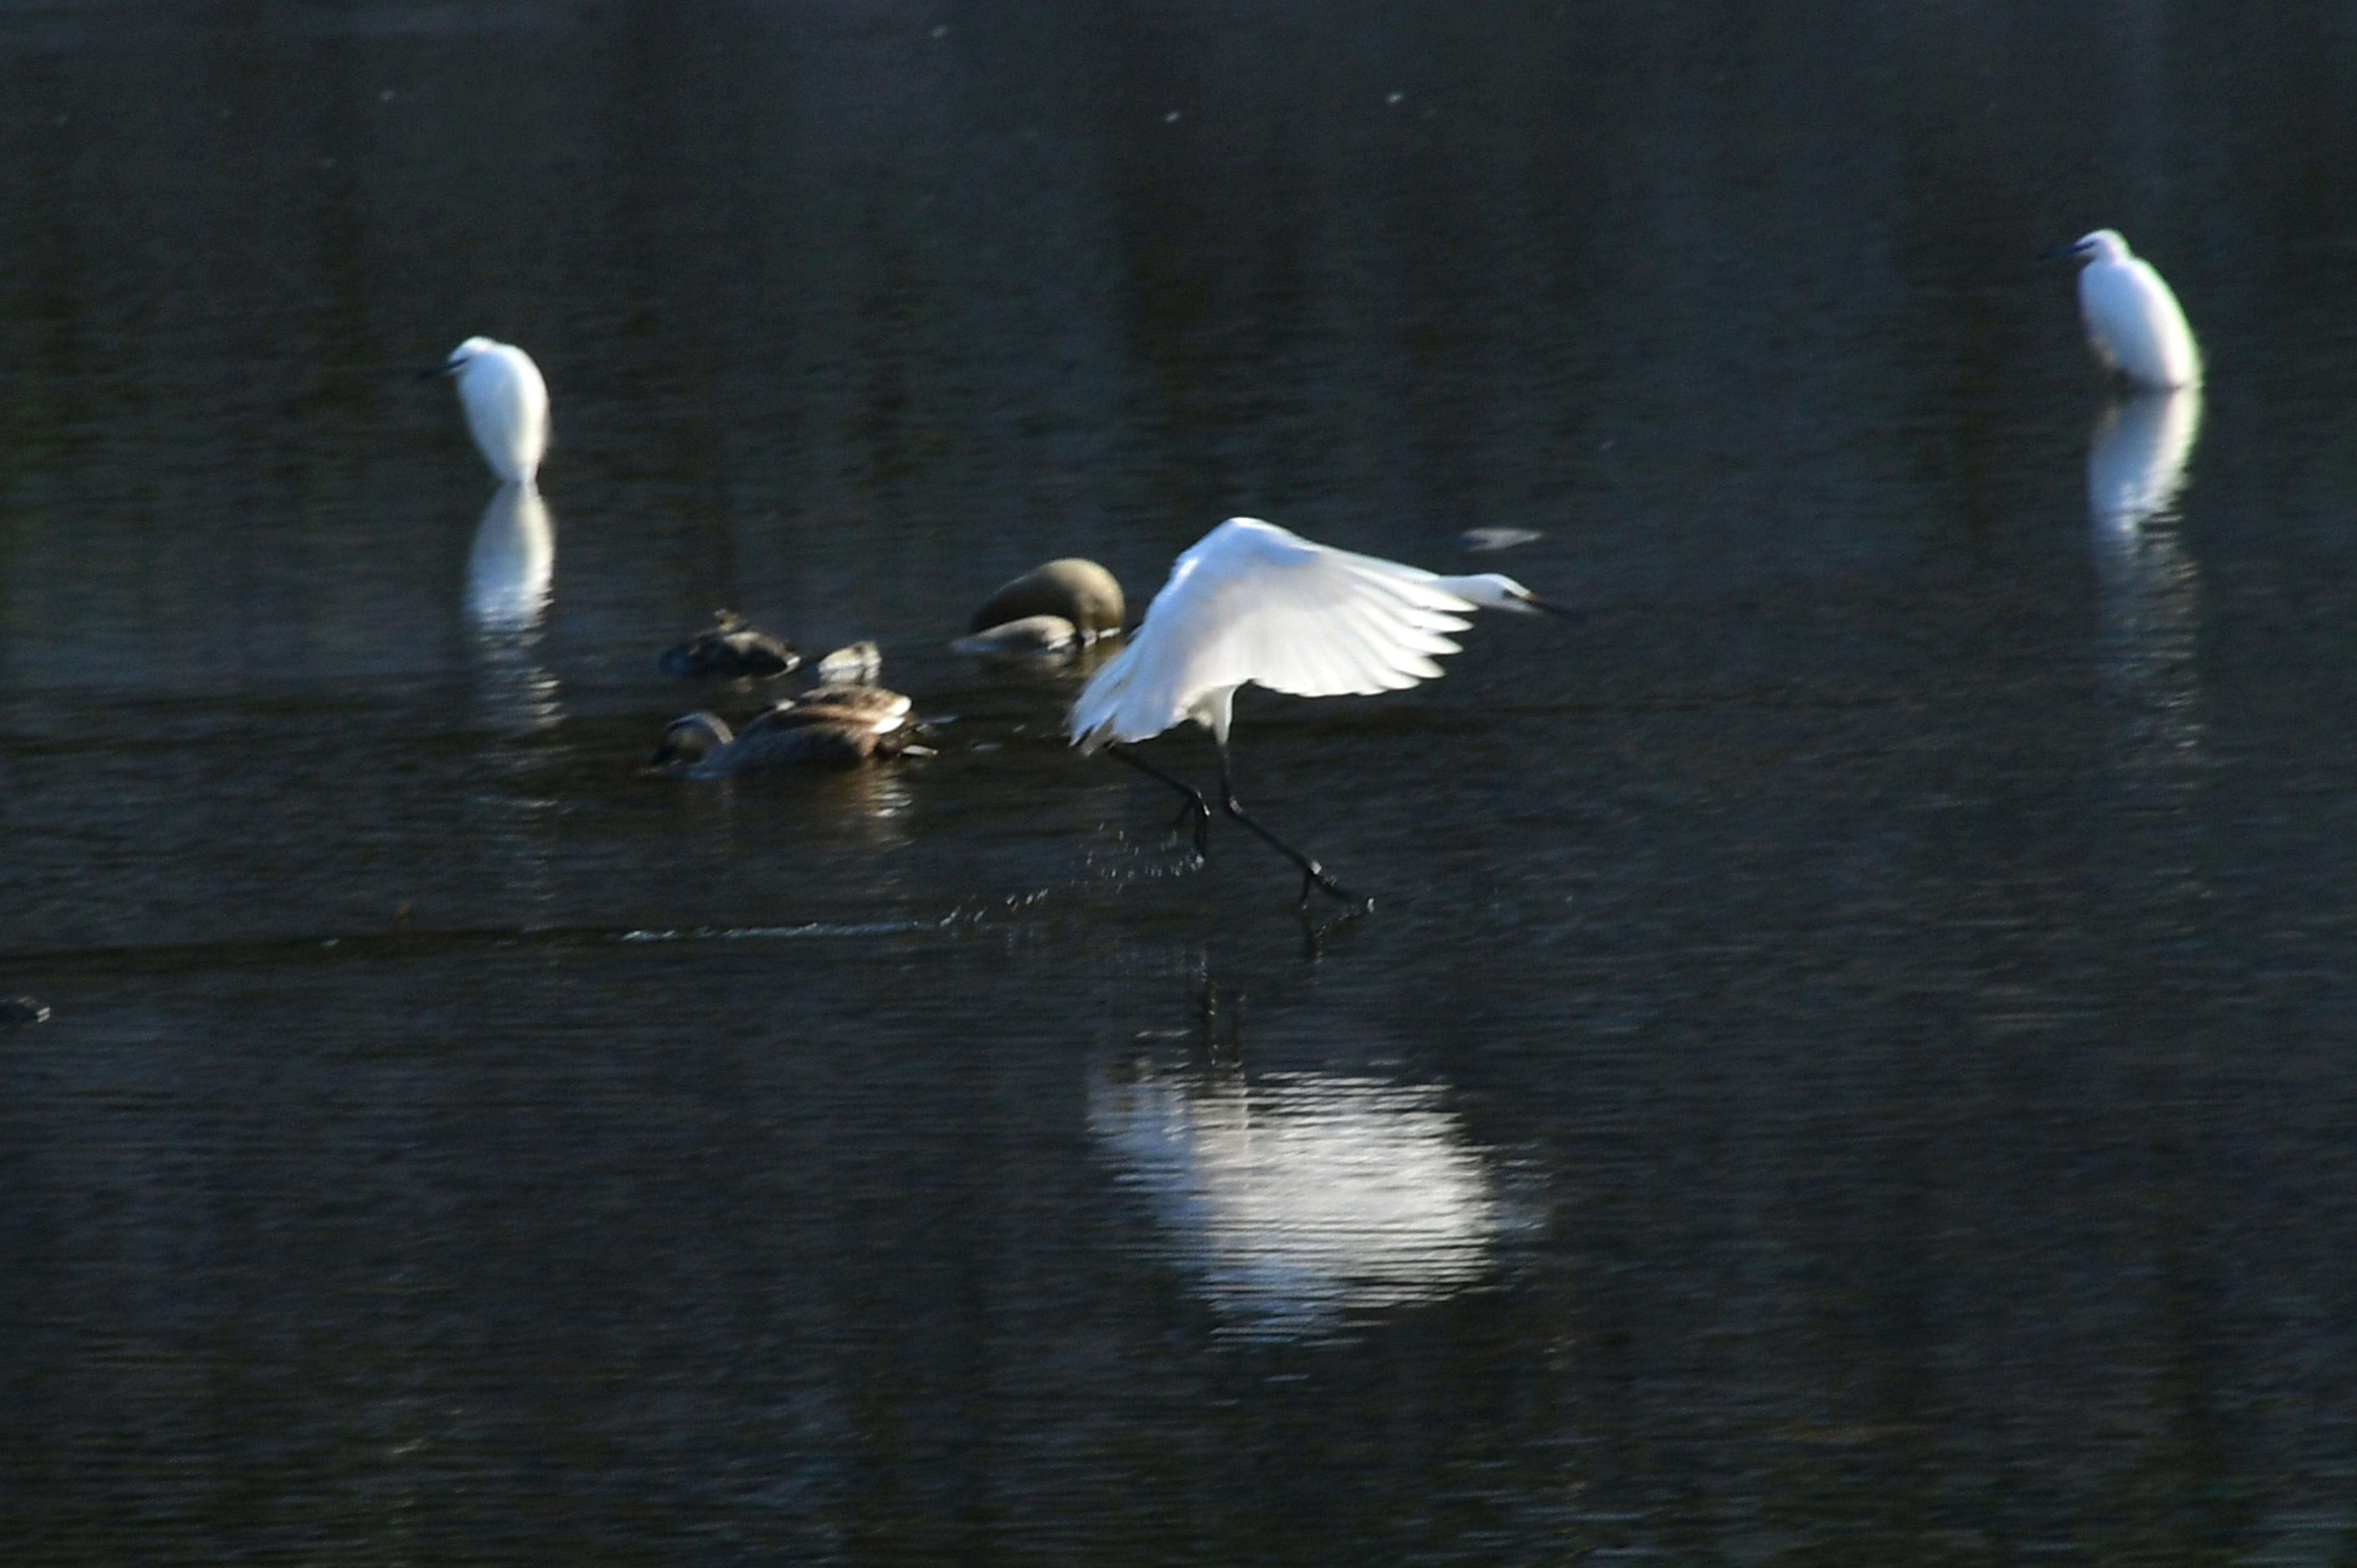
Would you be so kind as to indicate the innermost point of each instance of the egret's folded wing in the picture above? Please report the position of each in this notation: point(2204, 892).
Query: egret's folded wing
point(509, 418)
point(2114, 301)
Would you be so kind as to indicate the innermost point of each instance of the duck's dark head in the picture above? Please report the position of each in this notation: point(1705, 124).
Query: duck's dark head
point(688, 741)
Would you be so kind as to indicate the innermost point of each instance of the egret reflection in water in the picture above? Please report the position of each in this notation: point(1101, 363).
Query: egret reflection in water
point(512, 561)
point(1295, 1198)
point(2136, 462)
point(2147, 585)
point(509, 568)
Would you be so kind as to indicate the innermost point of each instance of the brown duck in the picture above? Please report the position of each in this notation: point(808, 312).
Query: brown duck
point(731, 646)
point(827, 726)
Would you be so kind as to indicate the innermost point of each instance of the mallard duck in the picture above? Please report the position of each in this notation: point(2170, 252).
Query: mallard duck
point(731, 646)
point(1029, 638)
point(827, 726)
point(860, 665)
point(1047, 613)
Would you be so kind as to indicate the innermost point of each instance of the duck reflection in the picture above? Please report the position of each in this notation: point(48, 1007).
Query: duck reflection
point(876, 800)
point(1295, 1198)
point(2147, 585)
point(512, 561)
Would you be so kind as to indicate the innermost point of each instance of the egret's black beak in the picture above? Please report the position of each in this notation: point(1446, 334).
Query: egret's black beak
point(2060, 252)
point(438, 371)
point(1565, 611)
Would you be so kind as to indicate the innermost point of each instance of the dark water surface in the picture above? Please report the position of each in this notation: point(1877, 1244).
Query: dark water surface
point(1853, 1059)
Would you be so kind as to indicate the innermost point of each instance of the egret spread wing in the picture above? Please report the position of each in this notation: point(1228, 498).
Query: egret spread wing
point(1254, 604)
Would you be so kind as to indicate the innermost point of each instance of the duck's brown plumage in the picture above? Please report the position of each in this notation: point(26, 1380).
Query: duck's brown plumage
point(730, 647)
point(1079, 590)
point(828, 726)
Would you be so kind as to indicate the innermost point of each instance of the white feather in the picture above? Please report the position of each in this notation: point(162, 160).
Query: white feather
point(507, 406)
point(2133, 320)
point(1254, 604)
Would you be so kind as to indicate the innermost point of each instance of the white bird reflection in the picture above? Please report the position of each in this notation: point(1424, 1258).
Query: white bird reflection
point(2147, 585)
point(1297, 1198)
point(509, 571)
point(2136, 464)
point(512, 561)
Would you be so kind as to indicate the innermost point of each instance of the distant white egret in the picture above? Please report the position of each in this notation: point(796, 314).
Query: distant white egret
point(506, 404)
point(2133, 320)
point(1252, 604)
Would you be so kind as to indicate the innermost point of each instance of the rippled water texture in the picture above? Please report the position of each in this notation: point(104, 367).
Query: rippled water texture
point(1852, 1058)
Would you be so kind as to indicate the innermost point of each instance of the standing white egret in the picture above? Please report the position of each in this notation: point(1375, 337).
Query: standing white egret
point(506, 403)
point(2133, 320)
point(1252, 604)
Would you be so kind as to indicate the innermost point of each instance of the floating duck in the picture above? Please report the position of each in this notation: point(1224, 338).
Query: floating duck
point(859, 664)
point(827, 726)
point(731, 646)
point(1048, 612)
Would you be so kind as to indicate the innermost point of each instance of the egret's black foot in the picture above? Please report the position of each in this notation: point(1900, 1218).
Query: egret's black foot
point(1197, 810)
point(1208, 1015)
point(1314, 877)
point(1315, 931)
point(1196, 807)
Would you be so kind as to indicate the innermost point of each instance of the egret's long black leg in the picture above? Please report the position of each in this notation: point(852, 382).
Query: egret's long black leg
point(1196, 807)
point(1312, 874)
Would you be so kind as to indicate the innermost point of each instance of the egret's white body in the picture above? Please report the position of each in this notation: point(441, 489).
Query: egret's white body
point(506, 403)
point(2133, 320)
point(1252, 604)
